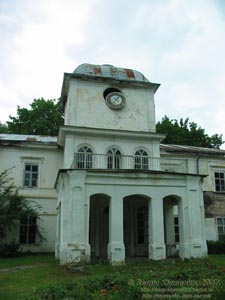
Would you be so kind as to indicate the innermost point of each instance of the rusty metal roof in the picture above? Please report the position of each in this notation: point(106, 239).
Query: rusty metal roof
point(28, 138)
point(109, 71)
point(191, 149)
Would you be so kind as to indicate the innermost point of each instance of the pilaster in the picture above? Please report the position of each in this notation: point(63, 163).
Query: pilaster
point(116, 249)
point(156, 230)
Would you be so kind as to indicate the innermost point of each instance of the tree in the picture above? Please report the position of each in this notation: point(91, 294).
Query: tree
point(184, 132)
point(13, 207)
point(3, 128)
point(44, 118)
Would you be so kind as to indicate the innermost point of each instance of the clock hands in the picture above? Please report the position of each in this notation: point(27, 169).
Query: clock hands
point(115, 100)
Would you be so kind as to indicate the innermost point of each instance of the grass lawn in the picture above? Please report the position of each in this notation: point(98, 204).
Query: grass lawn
point(18, 283)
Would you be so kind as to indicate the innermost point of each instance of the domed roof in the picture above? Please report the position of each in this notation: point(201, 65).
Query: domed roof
point(110, 71)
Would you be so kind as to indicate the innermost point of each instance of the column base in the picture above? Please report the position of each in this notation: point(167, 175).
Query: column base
point(116, 253)
point(157, 251)
point(195, 249)
point(74, 253)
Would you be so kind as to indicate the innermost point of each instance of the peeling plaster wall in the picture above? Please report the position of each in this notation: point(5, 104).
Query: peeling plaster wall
point(214, 204)
point(86, 107)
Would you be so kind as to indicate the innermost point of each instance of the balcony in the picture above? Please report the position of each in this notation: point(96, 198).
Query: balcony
point(128, 162)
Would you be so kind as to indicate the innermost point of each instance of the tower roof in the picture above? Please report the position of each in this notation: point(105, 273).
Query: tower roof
point(109, 71)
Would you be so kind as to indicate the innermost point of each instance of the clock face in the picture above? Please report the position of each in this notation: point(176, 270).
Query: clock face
point(115, 100)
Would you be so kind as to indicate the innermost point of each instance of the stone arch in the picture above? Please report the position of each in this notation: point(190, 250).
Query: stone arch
point(99, 225)
point(136, 239)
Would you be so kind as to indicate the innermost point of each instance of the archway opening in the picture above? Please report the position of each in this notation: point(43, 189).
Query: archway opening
point(171, 225)
point(99, 226)
point(136, 237)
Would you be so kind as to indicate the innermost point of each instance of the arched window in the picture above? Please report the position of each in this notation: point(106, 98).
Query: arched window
point(113, 158)
point(141, 160)
point(84, 158)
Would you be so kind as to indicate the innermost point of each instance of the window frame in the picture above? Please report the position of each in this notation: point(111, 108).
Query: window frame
point(114, 159)
point(176, 229)
point(222, 225)
point(219, 181)
point(28, 230)
point(32, 174)
point(141, 161)
point(85, 157)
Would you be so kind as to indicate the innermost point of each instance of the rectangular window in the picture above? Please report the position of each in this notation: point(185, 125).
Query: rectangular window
point(28, 230)
point(176, 229)
point(221, 227)
point(219, 181)
point(31, 175)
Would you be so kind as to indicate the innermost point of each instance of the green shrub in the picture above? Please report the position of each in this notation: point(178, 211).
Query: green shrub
point(107, 288)
point(52, 291)
point(11, 249)
point(216, 247)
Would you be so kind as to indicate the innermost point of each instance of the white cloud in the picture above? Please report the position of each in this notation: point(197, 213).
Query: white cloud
point(178, 43)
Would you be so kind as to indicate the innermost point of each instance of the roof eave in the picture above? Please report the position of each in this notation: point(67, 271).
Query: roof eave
point(68, 76)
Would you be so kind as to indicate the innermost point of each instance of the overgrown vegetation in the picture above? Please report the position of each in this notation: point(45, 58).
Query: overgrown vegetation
point(13, 209)
point(11, 249)
point(50, 281)
point(216, 247)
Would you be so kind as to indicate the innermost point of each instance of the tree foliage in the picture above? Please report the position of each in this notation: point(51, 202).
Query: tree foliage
point(43, 118)
point(13, 207)
point(3, 128)
point(185, 132)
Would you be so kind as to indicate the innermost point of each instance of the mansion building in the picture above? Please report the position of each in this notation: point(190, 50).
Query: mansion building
point(107, 187)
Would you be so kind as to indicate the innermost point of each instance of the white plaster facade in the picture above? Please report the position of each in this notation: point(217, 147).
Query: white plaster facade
point(110, 206)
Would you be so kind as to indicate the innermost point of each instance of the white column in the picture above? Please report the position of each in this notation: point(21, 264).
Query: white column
point(116, 249)
point(156, 230)
point(72, 246)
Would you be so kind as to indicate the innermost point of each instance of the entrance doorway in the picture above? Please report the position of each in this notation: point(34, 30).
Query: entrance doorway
point(171, 225)
point(136, 229)
point(99, 225)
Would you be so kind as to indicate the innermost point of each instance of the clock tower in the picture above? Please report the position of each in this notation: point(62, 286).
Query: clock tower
point(116, 197)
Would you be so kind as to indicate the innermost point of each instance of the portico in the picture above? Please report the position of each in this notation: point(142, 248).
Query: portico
point(122, 216)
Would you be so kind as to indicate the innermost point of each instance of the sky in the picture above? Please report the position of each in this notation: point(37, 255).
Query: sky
point(177, 43)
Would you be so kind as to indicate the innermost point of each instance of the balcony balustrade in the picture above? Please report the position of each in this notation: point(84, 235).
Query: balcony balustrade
point(128, 162)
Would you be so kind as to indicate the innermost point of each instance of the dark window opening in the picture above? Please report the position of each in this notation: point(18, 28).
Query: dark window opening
point(219, 182)
point(28, 230)
point(110, 90)
point(176, 229)
point(142, 220)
